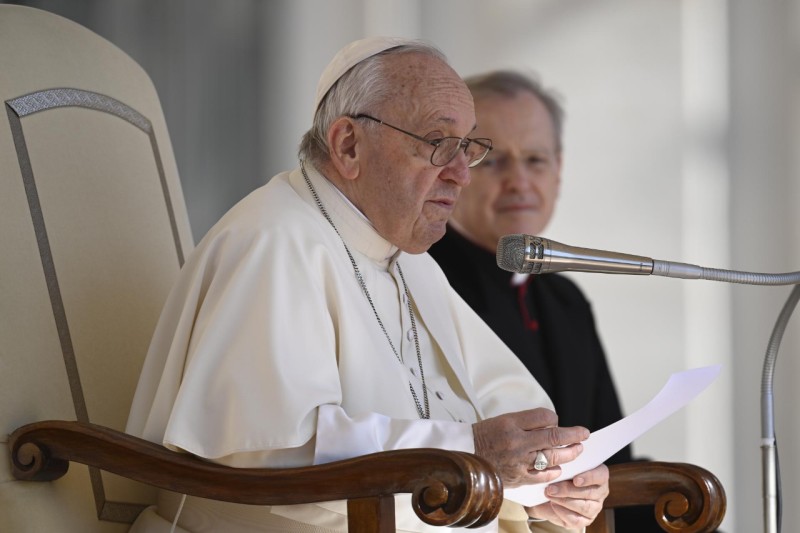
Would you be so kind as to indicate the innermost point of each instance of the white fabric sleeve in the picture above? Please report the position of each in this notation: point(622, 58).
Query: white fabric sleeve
point(342, 437)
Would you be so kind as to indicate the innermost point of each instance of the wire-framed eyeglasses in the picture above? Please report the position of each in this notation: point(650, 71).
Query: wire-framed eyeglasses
point(445, 149)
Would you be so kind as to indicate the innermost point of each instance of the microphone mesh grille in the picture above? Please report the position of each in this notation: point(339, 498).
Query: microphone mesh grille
point(511, 254)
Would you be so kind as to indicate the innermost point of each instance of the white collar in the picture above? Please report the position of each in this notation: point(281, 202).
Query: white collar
point(518, 279)
point(354, 227)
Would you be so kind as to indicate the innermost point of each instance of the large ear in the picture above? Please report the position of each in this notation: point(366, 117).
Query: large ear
point(343, 141)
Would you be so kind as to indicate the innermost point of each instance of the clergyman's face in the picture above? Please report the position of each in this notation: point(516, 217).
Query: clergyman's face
point(405, 196)
point(514, 190)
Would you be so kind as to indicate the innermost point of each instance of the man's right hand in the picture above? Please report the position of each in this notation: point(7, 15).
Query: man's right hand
point(511, 441)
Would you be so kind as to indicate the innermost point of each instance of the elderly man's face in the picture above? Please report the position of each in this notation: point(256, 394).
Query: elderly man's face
point(406, 198)
point(514, 189)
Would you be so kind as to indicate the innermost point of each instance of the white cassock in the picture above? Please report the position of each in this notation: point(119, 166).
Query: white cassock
point(268, 354)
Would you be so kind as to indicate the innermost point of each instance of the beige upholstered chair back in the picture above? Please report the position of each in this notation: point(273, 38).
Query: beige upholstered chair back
point(93, 230)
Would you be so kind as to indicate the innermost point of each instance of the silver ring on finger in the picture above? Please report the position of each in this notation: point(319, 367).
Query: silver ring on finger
point(540, 463)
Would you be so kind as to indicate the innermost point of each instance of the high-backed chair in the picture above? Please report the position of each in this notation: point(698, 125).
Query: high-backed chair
point(94, 231)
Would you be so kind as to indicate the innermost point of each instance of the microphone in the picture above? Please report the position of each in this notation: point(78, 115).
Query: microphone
point(528, 254)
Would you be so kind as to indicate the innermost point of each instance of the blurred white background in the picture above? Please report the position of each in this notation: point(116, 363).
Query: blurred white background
point(682, 116)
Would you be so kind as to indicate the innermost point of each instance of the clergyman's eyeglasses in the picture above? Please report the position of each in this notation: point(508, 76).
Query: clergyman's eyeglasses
point(445, 149)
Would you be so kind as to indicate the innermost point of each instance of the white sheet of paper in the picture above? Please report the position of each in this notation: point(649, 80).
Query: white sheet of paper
point(680, 389)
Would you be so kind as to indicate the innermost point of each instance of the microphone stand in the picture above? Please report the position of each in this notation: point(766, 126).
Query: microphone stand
point(769, 452)
point(531, 254)
point(771, 480)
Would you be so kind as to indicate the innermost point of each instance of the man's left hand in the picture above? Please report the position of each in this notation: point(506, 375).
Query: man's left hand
point(574, 504)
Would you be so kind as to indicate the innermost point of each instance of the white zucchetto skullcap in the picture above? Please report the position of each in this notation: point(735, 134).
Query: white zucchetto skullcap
point(351, 55)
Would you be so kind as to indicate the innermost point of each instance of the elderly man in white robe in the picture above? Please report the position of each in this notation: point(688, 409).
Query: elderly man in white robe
point(310, 325)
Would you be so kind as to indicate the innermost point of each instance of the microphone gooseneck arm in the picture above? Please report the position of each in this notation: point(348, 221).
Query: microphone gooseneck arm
point(529, 254)
point(686, 271)
point(771, 482)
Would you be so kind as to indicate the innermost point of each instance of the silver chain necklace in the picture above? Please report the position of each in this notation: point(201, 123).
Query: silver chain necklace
point(423, 413)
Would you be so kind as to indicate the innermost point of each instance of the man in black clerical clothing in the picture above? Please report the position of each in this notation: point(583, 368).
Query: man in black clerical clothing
point(545, 320)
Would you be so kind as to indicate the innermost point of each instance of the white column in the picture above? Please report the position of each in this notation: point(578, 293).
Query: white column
point(400, 18)
point(706, 233)
point(299, 40)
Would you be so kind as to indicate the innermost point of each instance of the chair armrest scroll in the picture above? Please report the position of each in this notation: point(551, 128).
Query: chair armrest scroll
point(687, 498)
point(448, 488)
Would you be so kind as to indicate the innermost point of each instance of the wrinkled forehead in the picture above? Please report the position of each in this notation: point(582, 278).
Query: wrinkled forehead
point(426, 88)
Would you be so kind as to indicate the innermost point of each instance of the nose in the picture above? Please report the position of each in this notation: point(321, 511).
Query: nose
point(517, 177)
point(457, 170)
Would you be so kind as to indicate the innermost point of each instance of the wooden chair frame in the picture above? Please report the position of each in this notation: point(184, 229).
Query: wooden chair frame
point(448, 488)
point(685, 497)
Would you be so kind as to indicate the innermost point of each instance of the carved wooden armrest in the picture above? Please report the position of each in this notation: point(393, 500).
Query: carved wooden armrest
point(687, 498)
point(448, 488)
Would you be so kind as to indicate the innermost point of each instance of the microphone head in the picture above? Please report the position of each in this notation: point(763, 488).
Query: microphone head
point(512, 250)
